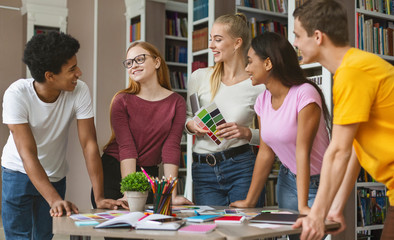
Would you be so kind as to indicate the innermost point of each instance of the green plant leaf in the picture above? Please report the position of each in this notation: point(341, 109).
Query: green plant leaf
point(136, 181)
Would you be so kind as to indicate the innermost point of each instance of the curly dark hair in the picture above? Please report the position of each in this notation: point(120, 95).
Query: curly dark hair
point(49, 52)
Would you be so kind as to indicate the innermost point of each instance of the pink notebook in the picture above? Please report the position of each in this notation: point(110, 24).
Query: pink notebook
point(230, 219)
point(198, 228)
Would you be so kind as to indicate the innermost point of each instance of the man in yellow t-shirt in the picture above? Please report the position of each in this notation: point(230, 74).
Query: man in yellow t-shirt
point(363, 97)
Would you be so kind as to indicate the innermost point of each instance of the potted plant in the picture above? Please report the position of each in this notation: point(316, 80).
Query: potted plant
point(136, 187)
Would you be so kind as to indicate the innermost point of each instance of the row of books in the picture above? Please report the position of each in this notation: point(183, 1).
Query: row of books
point(371, 206)
point(135, 31)
point(316, 79)
point(44, 30)
point(279, 6)
point(364, 176)
point(199, 64)
point(200, 9)
point(381, 6)
point(259, 27)
point(178, 80)
point(200, 39)
point(299, 2)
point(373, 36)
point(176, 53)
point(176, 25)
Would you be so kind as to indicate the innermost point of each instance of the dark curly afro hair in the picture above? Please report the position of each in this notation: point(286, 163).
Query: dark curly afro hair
point(49, 52)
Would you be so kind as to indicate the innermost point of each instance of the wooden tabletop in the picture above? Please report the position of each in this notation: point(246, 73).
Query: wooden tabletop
point(66, 226)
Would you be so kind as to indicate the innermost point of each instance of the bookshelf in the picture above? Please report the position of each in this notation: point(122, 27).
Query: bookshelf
point(176, 45)
point(43, 16)
point(374, 22)
point(371, 204)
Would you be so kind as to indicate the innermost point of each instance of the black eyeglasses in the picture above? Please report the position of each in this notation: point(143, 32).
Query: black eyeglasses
point(140, 59)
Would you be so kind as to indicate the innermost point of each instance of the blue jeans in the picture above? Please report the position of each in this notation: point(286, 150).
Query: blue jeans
point(25, 213)
point(286, 189)
point(226, 182)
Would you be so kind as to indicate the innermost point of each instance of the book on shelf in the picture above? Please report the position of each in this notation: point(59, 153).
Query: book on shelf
point(259, 27)
point(200, 9)
point(135, 29)
point(178, 80)
point(198, 64)
point(279, 6)
point(45, 29)
point(380, 6)
point(371, 206)
point(176, 53)
point(374, 35)
point(176, 24)
point(200, 39)
point(139, 220)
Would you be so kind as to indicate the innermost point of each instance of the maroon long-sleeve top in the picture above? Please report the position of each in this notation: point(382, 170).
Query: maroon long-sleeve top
point(149, 131)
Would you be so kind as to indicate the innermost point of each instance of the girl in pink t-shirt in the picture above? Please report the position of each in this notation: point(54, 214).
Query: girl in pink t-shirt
point(294, 124)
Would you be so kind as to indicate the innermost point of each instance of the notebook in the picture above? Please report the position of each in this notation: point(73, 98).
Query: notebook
point(202, 218)
point(198, 228)
point(230, 219)
point(139, 220)
point(277, 218)
point(195, 104)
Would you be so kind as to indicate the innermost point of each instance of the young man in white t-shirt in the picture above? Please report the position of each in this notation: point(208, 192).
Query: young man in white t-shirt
point(38, 112)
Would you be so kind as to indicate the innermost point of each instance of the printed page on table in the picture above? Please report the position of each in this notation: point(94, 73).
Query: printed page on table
point(208, 118)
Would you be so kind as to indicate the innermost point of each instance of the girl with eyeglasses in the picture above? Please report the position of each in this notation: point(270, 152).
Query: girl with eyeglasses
point(147, 121)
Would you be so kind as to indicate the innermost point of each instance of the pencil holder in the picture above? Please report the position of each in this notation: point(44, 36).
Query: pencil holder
point(162, 203)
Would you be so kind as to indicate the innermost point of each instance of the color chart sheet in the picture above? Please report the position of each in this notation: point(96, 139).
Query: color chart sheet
point(208, 118)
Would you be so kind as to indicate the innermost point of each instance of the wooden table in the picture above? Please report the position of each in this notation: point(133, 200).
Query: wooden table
point(66, 226)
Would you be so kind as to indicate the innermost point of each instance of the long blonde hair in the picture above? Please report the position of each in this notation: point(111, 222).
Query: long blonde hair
point(237, 26)
point(134, 87)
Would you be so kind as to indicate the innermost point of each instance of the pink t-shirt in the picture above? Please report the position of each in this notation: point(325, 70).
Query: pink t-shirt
point(279, 127)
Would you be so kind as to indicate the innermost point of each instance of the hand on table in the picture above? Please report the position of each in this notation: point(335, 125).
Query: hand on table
point(180, 200)
point(62, 206)
point(312, 228)
point(339, 218)
point(112, 204)
point(242, 204)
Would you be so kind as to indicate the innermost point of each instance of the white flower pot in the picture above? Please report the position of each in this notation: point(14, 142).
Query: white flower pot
point(137, 200)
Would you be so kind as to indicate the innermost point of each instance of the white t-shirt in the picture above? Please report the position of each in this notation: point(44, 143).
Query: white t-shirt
point(235, 102)
point(49, 123)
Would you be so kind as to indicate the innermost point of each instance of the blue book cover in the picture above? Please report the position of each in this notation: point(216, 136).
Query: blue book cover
point(202, 218)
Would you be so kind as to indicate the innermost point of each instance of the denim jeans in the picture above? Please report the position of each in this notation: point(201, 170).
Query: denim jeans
point(286, 189)
point(226, 182)
point(25, 213)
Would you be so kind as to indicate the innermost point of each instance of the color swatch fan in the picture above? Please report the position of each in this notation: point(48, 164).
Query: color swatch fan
point(208, 118)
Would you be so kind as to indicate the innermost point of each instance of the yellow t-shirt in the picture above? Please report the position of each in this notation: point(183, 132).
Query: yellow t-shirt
point(363, 92)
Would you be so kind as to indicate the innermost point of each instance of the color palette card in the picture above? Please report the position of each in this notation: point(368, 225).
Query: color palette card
point(208, 118)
